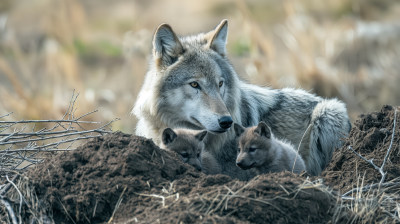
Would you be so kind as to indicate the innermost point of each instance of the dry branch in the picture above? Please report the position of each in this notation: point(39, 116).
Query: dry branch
point(22, 146)
point(376, 195)
point(370, 161)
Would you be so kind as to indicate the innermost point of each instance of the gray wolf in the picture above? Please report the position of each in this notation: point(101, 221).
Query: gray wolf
point(187, 143)
point(259, 149)
point(190, 83)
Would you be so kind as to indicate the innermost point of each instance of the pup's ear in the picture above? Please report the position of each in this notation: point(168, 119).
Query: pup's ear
point(168, 136)
point(166, 46)
point(200, 136)
point(238, 129)
point(263, 130)
point(218, 38)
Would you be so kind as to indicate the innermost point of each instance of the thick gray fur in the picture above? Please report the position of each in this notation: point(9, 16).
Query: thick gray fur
point(167, 99)
point(259, 149)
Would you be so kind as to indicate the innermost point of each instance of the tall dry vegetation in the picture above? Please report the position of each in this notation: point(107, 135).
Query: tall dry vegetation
point(345, 49)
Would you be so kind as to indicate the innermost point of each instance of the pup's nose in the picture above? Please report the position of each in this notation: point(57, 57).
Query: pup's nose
point(225, 122)
point(239, 164)
point(197, 167)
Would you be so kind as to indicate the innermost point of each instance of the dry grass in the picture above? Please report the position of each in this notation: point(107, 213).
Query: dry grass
point(377, 205)
point(334, 49)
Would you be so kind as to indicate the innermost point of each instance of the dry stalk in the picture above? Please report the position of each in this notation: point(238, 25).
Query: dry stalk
point(9, 209)
point(117, 205)
point(298, 148)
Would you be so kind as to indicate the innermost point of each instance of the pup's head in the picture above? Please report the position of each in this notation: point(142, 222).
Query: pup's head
point(187, 143)
point(253, 145)
point(196, 81)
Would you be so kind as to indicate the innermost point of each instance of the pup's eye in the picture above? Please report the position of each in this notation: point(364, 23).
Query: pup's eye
point(194, 85)
point(220, 83)
point(185, 155)
point(251, 149)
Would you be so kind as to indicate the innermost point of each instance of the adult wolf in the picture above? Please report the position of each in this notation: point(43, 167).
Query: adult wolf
point(191, 84)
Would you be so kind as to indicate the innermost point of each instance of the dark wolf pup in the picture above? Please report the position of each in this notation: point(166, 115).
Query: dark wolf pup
point(187, 143)
point(191, 84)
point(259, 148)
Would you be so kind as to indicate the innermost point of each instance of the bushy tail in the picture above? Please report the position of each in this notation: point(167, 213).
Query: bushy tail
point(329, 125)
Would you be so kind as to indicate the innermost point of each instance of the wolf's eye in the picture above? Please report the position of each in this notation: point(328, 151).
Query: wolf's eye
point(252, 149)
point(220, 83)
point(194, 85)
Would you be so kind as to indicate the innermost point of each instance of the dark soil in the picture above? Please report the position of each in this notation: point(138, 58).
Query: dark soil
point(121, 178)
point(370, 136)
point(155, 186)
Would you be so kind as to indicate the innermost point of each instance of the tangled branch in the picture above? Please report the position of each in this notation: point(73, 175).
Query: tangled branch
point(22, 146)
point(378, 168)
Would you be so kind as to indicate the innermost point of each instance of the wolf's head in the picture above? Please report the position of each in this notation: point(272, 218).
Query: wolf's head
point(254, 145)
point(187, 143)
point(191, 83)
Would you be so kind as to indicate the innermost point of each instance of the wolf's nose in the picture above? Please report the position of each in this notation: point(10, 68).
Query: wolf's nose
point(239, 164)
point(225, 122)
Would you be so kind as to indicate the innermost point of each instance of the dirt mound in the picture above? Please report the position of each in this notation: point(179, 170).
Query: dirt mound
point(126, 178)
point(86, 184)
point(271, 198)
point(121, 178)
point(371, 137)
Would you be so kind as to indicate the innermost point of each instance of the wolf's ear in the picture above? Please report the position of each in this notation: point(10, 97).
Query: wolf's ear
point(166, 46)
point(200, 136)
point(263, 130)
point(218, 38)
point(238, 129)
point(168, 136)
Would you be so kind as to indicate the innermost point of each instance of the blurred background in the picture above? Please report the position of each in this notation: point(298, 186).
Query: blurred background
point(349, 49)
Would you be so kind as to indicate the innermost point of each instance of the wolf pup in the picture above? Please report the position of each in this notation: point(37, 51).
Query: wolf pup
point(259, 148)
point(187, 143)
point(191, 84)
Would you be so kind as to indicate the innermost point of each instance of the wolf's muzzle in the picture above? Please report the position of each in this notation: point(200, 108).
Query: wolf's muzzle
point(225, 122)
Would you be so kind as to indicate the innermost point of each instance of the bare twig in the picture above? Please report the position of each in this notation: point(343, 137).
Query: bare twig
point(21, 197)
point(390, 148)
point(53, 137)
point(4, 190)
point(66, 211)
point(6, 115)
point(48, 121)
point(370, 161)
point(9, 208)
